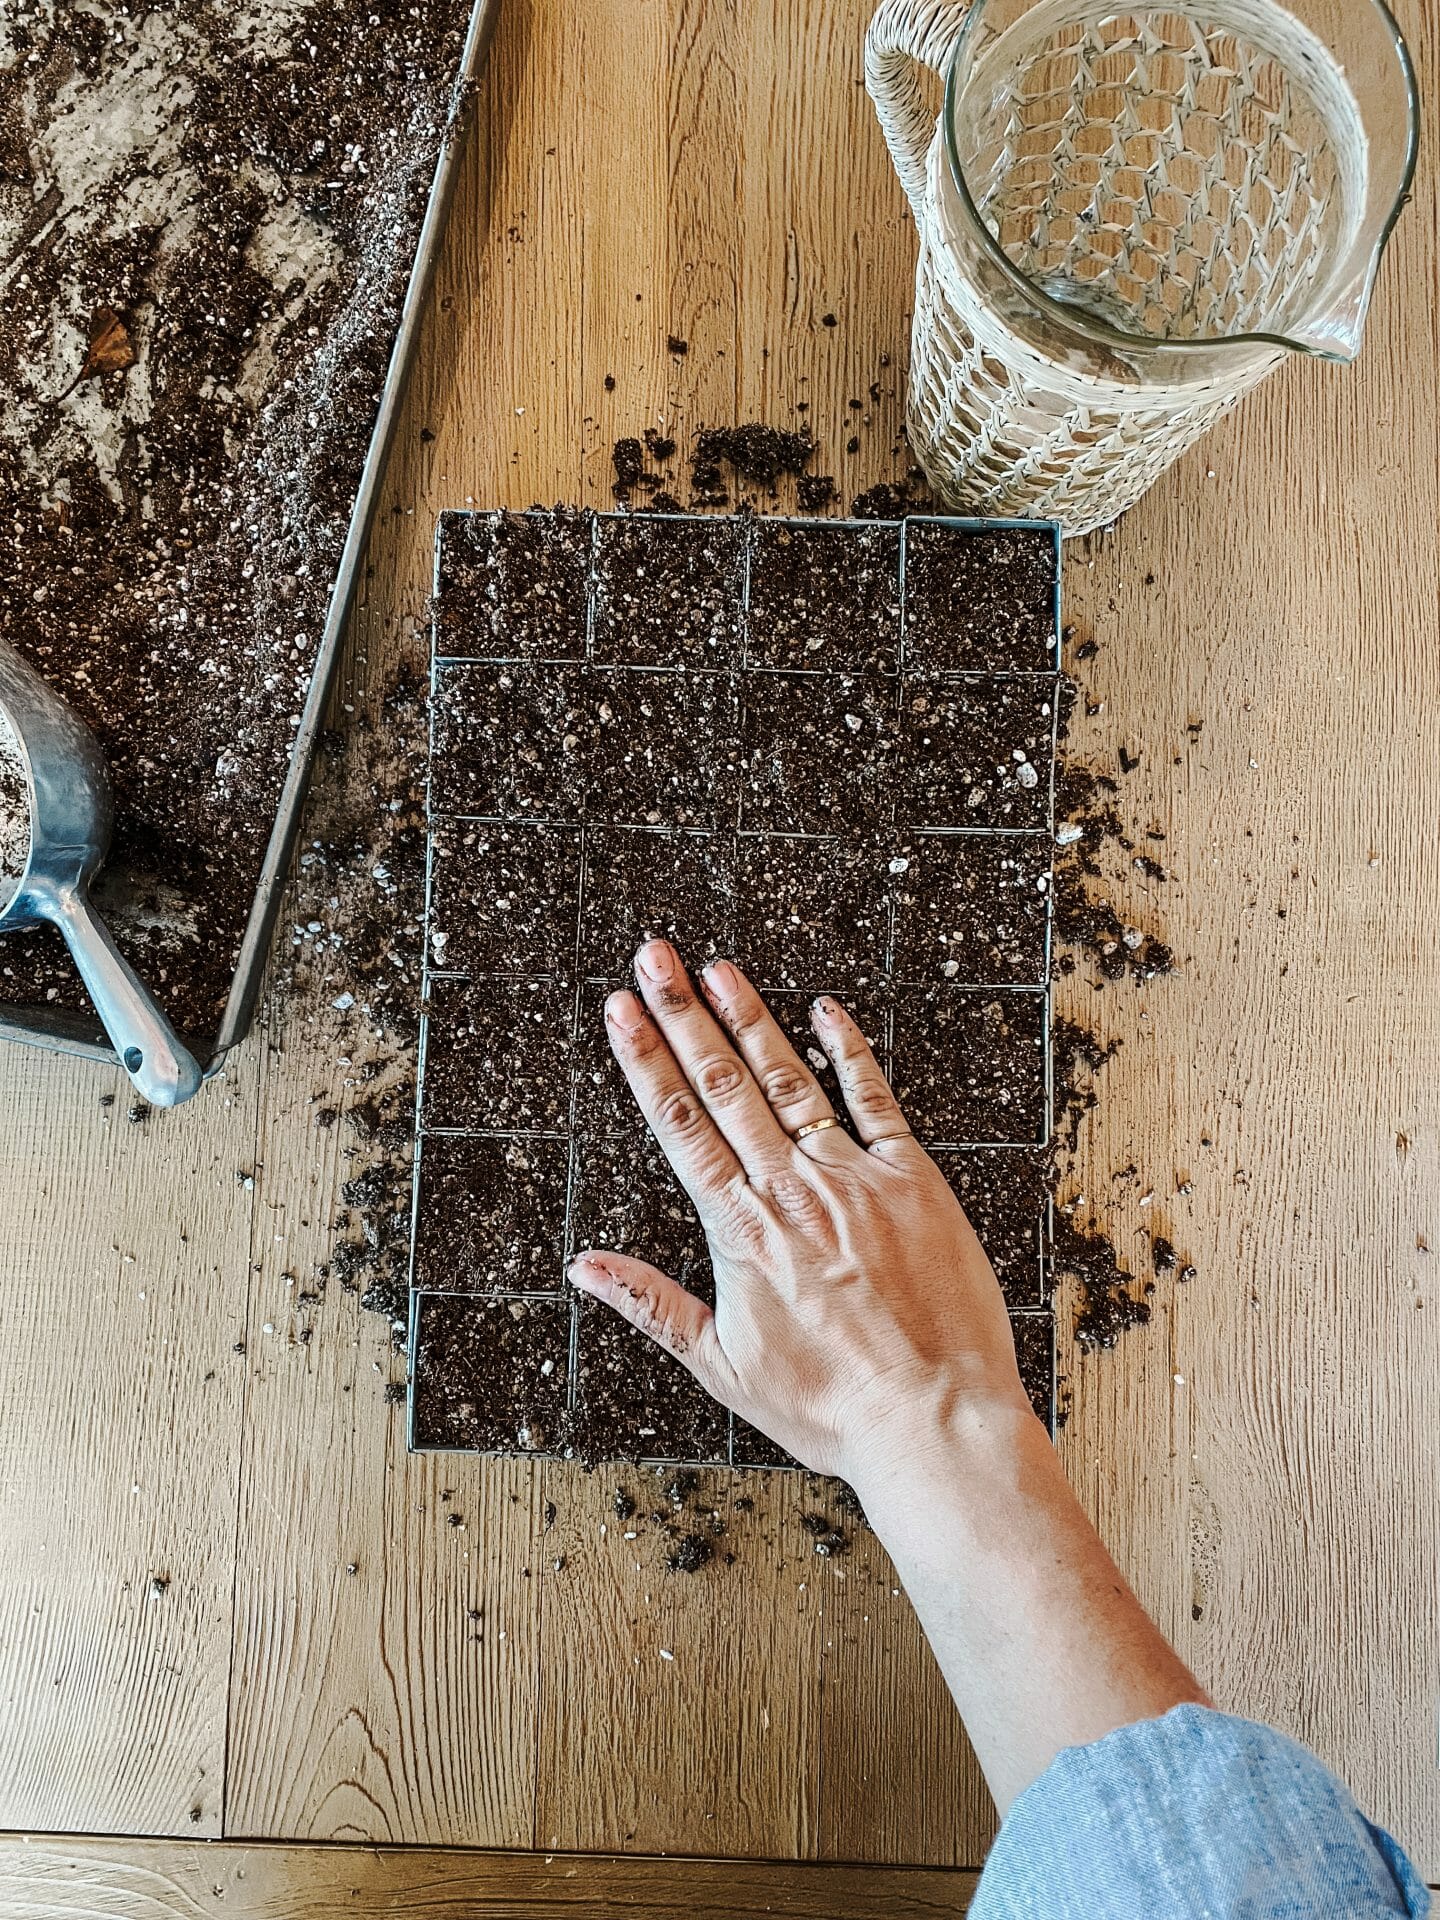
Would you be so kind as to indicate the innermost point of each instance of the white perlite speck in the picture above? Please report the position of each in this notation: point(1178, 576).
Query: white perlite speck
point(14, 811)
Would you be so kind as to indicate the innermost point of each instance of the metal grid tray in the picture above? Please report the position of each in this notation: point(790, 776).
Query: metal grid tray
point(1037, 1315)
point(79, 1033)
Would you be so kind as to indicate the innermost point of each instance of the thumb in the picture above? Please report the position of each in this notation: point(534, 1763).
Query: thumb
point(672, 1316)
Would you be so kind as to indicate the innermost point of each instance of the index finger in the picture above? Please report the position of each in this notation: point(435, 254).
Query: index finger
point(703, 1161)
point(714, 1069)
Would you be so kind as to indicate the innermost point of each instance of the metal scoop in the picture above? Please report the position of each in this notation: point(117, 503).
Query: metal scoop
point(71, 814)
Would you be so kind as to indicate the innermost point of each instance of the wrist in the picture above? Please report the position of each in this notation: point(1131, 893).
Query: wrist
point(965, 1449)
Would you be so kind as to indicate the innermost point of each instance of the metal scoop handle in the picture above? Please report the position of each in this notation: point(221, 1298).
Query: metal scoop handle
point(163, 1071)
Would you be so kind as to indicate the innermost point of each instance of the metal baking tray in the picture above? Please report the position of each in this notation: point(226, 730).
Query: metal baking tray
point(80, 1033)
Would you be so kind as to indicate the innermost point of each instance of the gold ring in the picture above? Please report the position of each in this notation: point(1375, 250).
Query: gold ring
point(816, 1126)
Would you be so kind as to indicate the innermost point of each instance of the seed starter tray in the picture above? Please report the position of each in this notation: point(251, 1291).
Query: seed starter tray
point(822, 748)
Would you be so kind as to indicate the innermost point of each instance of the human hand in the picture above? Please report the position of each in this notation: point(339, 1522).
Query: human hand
point(857, 1319)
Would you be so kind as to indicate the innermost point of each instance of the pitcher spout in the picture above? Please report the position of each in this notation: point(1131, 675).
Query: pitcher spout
point(1336, 334)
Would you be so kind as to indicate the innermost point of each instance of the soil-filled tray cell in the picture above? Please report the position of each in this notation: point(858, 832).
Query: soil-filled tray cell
point(498, 1055)
point(972, 907)
point(825, 597)
point(634, 1402)
point(819, 753)
point(604, 1103)
point(490, 1214)
point(1005, 1192)
point(490, 1376)
point(1035, 1351)
point(511, 586)
point(504, 899)
point(625, 1199)
point(668, 593)
point(755, 1449)
point(812, 913)
point(976, 752)
point(980, 600)
point(642, 885)
point(970, 1067)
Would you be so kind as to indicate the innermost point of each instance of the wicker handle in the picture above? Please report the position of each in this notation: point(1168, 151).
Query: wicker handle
point(903, 35)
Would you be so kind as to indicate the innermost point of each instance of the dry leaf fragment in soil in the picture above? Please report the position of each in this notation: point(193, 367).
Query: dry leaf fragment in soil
point(110, 351)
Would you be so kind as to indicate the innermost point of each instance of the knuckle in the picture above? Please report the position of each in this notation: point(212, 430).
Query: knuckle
point(796, 1200)
point(784, 1085)
point(746, 1016)
point(870, 1097)
point(639, 1042)
point(719, 1080)
point(733, 1219)
point(679, 1113)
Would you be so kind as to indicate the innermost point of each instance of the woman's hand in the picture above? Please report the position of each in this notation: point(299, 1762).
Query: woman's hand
point(858, 1323)
point(857, 1318)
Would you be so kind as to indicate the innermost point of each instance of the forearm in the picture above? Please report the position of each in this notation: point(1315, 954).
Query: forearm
point(1040, 1639)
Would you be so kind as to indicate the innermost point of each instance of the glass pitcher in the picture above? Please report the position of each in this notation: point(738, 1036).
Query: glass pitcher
point(1127, 218)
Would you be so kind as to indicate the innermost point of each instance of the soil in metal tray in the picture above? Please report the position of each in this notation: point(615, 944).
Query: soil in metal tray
point(773, 740)
point(208, 217)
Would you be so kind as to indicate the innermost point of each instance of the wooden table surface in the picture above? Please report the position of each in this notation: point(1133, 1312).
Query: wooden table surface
point(1262, 1458)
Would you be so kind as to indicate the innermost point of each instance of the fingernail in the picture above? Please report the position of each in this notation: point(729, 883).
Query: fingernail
point(720, 977)
point(825, 1008)
point(656, 960)
point(624, 1012)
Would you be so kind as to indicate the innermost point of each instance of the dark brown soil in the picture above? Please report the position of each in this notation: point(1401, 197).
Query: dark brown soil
point(213, 274)
point(497, 1054)
point(979, 601)
point(1111, 1298)
point(503, 899)
point(490, 1375)
point(633, 1401)
point(641, 885)
point(976, 752)
point(756, 455)
point(891, 501)
point(813, 913)
point(625, 1198)
point(511, 586)
point(819, 750)
point(667, 595)
point(490, 1214)
point(972, 908)
point(970, 1067)
point(824, 597)
point(1006, 1195)
point(1035, 1352)
point(582, 743)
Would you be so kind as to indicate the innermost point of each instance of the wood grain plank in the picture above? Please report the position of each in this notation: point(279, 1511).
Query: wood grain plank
point(826, 220)
point(720, 1749)
point(713, 1676)
point(373, 1704)
point(122, 1294)
point(1258, 1459)
point(144, 1880)
point(826, 262)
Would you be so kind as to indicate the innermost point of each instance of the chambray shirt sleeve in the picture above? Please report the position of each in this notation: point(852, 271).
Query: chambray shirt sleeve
point(1196, 1816)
